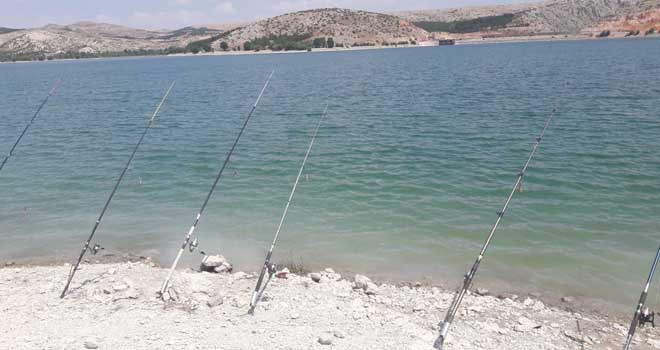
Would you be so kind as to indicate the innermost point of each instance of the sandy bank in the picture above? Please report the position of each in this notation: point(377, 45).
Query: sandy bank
point(114, 306)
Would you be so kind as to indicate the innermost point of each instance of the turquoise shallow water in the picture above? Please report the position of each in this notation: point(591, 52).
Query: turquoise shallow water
point(419, 150)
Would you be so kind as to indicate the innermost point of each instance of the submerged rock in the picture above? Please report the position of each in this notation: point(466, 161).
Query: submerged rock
point(216, 264)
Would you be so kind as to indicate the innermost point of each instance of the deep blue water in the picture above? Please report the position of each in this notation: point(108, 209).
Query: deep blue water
point(418, 152)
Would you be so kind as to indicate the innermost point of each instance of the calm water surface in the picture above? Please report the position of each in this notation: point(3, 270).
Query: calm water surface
point(418, 153)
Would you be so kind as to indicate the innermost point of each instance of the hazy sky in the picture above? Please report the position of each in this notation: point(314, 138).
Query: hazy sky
point(173, 14)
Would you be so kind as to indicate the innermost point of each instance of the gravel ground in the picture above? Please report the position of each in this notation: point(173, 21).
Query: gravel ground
point(115, 306)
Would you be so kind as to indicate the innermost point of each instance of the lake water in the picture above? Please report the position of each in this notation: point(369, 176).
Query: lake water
point(419, 150)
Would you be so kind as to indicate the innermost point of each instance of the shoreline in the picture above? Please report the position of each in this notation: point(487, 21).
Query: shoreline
point(459, 42)
point(114, 306)
point(501, 289)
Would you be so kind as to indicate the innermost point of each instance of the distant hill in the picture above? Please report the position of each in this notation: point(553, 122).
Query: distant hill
point(331, 27)
point(4, 30)
point(345, 27)
point(548, 17)
point(94, 38)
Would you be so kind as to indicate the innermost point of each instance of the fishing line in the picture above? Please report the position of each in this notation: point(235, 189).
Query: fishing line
point(95, 249)
point(188, 242)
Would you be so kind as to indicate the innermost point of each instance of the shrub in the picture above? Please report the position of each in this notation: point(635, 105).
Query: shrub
point(319, 42)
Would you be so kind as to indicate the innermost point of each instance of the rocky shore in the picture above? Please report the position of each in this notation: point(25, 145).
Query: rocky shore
point(115, 306)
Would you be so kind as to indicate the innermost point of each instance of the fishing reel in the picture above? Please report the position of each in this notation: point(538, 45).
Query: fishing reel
point(95, 249)
point(272, 268)
point(647, 317)
point(192, 245)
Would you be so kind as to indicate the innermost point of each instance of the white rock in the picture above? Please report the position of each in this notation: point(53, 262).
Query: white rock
point(361, 282)
point(90, 344)
point(325, 340)
point(654, 343)
point(482, 291)
point(538, 306)
point(112, 271)
point(372, 289)
point(215, 300)
point(339, 334)
point(525, 325)
point(216, 263)
point(316, 277)
point(119, 287)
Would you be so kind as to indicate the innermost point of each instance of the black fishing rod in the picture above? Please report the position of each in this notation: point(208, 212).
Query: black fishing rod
point(43, 103)
point(188, 241)
point(95, 249)
point(467, 281)
point(268, 266)
point(642, 314)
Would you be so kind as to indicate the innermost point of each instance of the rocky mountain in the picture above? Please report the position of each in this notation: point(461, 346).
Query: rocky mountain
point(346, 27)
point(548, 17)
point(336, 27)
point(4, 30)
point(89, 37)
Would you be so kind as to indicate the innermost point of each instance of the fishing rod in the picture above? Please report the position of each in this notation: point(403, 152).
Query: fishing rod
point(43, 103)
point(642, 314)
point(95, 249)
point(190, 242)
point(467, 281)
point(268, 266)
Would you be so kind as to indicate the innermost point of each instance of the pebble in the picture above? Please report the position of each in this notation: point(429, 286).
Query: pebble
point(10, 263)
point(216, 263)
point(567, 299)
point(361, 282)
point(325, 340)
point(339, 334)
point(283, 274)
point(372, 289)
point(90, 344)
point(119, 287)
point(215, 300)
point(482, 291)
point(525, 325)
point(316, 277)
